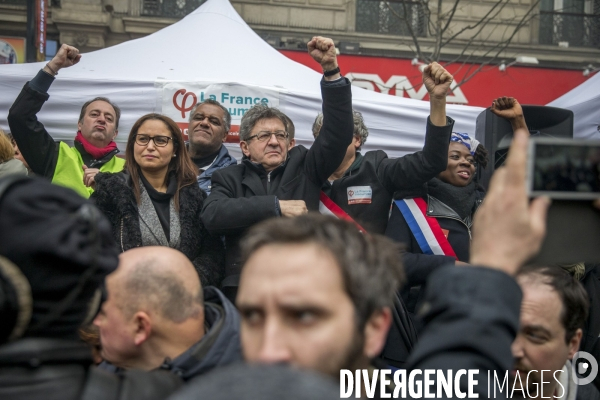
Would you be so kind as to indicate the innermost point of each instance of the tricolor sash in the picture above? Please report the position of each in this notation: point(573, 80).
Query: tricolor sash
point(426, 230)
point(328, 207)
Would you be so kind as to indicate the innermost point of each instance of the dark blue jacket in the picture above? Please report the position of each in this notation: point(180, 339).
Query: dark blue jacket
point(223, 160)
point(219, 346)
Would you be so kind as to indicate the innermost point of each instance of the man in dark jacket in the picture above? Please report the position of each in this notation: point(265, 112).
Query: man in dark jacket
point(55, 251)
point(208, 128)
point(553, 314)
point(94, 150)
point(363, 185)
point(276, 178)
point(157, 315)
point(471, 313)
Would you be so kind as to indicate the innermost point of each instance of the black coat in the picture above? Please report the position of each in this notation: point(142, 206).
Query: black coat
point(243, 195)
point(418, 267)
point(114, 197)
point(52, 369)
point(384, 176)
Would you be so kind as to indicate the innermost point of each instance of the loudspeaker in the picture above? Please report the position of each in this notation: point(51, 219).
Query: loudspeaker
point(495, 133)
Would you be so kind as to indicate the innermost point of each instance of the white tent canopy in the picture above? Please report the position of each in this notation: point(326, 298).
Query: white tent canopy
point(215, 46)
point(584, 101)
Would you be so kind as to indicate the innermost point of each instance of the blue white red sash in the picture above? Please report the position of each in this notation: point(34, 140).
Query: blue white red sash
point(328, 207)
point(426, 230)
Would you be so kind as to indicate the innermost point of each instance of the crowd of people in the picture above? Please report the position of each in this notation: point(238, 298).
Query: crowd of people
point(178, 272)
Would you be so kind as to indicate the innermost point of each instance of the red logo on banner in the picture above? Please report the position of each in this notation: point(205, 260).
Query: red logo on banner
point(181, 106)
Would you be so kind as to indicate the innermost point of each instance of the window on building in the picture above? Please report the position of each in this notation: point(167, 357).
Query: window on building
point(375, 16)
point(576, 22)
point(170, 8)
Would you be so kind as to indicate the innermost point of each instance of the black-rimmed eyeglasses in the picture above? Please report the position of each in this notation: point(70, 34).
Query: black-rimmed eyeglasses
point(263, 136)
point(160, 141)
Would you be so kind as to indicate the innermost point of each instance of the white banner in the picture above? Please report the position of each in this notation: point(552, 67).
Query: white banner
point(176, 100)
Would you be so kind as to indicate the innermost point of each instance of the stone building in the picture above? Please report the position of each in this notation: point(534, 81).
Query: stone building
point(561, 33)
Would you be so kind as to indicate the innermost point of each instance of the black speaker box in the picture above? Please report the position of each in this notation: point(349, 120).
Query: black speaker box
point(495, 133)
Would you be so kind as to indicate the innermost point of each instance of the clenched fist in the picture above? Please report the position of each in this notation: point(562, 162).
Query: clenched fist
point(66, 57)
point(437, 80)
point(322, 50)
point(509, 109)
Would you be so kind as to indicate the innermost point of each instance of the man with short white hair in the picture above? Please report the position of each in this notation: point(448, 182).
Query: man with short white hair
point(276, 178)
point(157, 315)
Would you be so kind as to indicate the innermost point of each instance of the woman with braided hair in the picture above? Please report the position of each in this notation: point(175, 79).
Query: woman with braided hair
point(434, 222)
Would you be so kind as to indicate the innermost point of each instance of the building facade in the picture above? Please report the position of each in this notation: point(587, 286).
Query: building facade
point(557, 33)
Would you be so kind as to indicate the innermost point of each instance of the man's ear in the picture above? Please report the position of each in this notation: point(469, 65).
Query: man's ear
point(291, 144)
point(376, 331)
point(574, 343)
point(143, 327)
point(357, 142)
point(245, 150)
point(79, 126)
point(116, 133)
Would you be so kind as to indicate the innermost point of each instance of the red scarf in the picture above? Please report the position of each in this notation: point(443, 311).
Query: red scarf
point(96, 152)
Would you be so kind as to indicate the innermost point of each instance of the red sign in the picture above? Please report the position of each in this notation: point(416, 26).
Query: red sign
point(399, 77)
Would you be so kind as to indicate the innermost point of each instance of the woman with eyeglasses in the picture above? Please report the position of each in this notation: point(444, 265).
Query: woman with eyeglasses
point(156, 200)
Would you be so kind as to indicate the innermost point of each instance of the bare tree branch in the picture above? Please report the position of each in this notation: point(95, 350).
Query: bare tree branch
point(410, 30)
point(484, 20)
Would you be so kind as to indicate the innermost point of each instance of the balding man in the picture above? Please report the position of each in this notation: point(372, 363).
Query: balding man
point(157, 315)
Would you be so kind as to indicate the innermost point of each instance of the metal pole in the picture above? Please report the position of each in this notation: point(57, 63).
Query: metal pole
point(30, 49)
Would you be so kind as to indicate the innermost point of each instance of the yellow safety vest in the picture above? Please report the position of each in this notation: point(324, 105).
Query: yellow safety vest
point(69, 169)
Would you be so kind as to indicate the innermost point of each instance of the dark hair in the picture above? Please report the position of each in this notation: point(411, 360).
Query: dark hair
point(226, 114)
point(257, 113)
point(291, 128)
point(106, 100)
point(481, 156)
point(183, 167)
point(573, 296)
point(370, 264)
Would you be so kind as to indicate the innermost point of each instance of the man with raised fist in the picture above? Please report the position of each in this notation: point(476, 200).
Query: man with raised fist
point(276, 179)
point(362, 187)
point(94, 150)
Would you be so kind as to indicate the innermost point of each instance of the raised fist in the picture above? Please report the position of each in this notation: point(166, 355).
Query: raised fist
point(322, 50)
point(507, 108)
point(437, 80)
point(66, 57)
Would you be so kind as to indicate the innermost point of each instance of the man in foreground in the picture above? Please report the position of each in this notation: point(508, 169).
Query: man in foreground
point(553, 312)
point(157, 315)
point(471, 313)
point(94, 149)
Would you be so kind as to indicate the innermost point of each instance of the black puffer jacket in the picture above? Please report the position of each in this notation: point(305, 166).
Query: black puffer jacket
point(114, 197)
